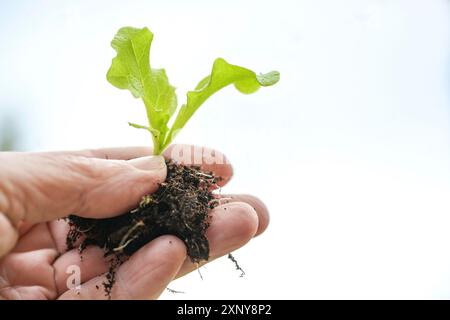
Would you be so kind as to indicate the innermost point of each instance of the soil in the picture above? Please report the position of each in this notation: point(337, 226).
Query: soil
point(179, 207)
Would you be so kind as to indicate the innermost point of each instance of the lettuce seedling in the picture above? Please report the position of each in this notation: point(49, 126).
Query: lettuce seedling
point(131, 70)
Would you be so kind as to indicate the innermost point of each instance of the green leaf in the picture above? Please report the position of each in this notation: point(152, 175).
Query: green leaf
point(222, 75)
point(154, 132)
point(269, 78)
point(131, 70)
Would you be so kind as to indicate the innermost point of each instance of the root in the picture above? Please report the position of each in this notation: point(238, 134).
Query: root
point(198, 270)
point(125, 240)
point(174, 291)
point(87, 230)
point(238, 267)
point(202, 174)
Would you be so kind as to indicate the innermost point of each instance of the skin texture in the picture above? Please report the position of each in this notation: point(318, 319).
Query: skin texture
point(36, 189)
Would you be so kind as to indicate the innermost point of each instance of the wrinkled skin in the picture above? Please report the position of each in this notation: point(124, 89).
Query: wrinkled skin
point(36, 189)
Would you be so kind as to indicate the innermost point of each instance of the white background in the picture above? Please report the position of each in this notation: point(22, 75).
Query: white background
point(350, 150)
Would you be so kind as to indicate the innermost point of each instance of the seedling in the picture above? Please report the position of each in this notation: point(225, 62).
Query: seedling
point(131, 70)
point(181, 205)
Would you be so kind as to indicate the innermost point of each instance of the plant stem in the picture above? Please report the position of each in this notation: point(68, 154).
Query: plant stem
point(156, 148)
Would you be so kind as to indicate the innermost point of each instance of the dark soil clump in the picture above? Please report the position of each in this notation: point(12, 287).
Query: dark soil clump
point(179, 207)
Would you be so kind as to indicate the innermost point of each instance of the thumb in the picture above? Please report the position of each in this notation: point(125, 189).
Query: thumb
point(42, 187)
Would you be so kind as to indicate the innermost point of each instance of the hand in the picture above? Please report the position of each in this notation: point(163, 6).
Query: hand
point(36, 189)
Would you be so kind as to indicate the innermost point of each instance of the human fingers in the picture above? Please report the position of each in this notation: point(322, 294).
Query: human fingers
point(8, 235)
point(256, 203)
point(208, 159)
point(224, 222)
point(232, 226)
point(144, 276)
point(43, 187)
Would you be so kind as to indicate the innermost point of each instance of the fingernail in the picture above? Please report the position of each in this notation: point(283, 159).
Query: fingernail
point(148, 163)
